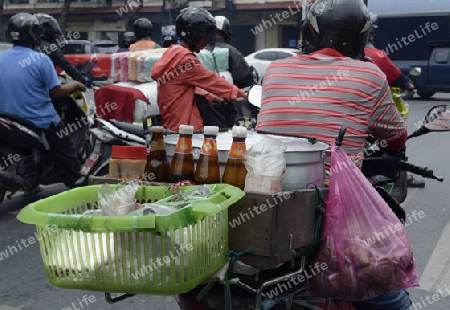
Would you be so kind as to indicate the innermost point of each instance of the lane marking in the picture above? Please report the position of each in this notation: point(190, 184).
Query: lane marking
point(437, 271)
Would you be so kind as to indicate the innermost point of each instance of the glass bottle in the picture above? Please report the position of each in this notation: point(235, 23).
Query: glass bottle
point(207, 170)
point(157, 167)
point(182, 165)
point(235, 170)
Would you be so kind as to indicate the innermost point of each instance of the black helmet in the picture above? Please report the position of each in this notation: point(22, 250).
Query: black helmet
point(196, 26)
point(24, 28)
point(340, 24)
point(142, 28)
point(169, 35)
point(50, 25)
point(127, 39)
point(223, 25)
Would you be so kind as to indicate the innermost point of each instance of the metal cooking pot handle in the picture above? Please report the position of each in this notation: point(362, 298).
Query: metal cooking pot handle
point(326, 154)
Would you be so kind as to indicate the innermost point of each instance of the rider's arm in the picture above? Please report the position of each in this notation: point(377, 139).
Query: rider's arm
point(66, 89)
point(403, 82)
point(198, 75)
point(61, 61)
point(52, 82)
point(239, 69)
point(386, 124)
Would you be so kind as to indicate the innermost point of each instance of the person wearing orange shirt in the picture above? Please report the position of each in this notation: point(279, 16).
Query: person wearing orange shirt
point(143, 30)
point(186, 88)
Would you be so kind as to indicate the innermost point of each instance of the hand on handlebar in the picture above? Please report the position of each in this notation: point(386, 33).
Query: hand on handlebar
point(78, 86)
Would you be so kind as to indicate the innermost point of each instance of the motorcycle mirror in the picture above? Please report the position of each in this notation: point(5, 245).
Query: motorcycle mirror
point(415, 71)
point(87, 67)
point(437, 119)
point(255, 95)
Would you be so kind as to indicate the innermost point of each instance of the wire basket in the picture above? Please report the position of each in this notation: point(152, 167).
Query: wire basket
point(161, 255)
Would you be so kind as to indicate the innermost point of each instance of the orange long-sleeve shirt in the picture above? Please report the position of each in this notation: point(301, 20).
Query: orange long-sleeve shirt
point(179, 74)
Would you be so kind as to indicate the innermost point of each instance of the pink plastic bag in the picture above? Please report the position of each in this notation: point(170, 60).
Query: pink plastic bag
point(364, 245)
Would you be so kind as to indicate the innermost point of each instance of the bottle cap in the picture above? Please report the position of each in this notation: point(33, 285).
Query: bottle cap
point(239, 132)
point(129, 152)
point(157, 128)
point(186, 129)
point(211, 130)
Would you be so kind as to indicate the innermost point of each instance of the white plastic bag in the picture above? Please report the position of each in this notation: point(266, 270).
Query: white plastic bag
point(119, 201)
point(266, 164)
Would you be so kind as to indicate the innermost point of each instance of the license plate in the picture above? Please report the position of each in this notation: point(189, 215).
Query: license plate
point(90, 163)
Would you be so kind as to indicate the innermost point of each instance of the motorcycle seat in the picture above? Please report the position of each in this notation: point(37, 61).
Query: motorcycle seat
point(19, 132)
point(137, 130)
point(20, 120)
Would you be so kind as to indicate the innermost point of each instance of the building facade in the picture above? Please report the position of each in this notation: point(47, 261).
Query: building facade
point(256, 24)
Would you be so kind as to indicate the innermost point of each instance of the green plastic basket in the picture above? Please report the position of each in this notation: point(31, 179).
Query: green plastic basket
point(161, 255)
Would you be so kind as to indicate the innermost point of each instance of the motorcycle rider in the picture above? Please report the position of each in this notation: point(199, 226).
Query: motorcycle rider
point(240, 71)
point(51, 47)
point(332, 87)
point(393, 74)
point(143, 30)
point(126, 40)
point(179, 75)
point(26, 80)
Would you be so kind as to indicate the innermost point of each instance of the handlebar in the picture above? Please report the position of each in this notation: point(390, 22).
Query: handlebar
point(424, 172)
point(390, 167)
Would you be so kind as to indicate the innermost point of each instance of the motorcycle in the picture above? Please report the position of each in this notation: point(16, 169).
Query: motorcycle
point(24, 144)
point(253, 292)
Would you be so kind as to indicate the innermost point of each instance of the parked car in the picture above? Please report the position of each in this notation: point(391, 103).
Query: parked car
point(4, 46)
point(79, 52)
point(261, 59)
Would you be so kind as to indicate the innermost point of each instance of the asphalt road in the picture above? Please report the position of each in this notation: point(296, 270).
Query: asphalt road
point(23, 284)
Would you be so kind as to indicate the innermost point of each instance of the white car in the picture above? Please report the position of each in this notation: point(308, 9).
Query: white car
point(261, 59)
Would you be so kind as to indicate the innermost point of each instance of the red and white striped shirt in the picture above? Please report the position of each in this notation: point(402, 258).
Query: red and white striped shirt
point(315, 95)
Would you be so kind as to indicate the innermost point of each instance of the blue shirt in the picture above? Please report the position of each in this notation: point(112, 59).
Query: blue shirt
point(26, 78)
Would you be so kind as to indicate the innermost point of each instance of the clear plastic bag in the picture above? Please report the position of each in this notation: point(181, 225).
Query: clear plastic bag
point(266, 164)
point(365, 251)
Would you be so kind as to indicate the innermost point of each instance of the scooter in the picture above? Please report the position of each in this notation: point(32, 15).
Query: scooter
point(253, 292)
point(20, 141)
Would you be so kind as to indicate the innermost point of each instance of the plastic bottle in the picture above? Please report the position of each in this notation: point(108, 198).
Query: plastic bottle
point(182, 165)
point(207, 170)
point(157, 167)
point(235, 171)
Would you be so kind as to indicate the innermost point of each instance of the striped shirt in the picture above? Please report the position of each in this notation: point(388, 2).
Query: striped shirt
point(315, 95)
